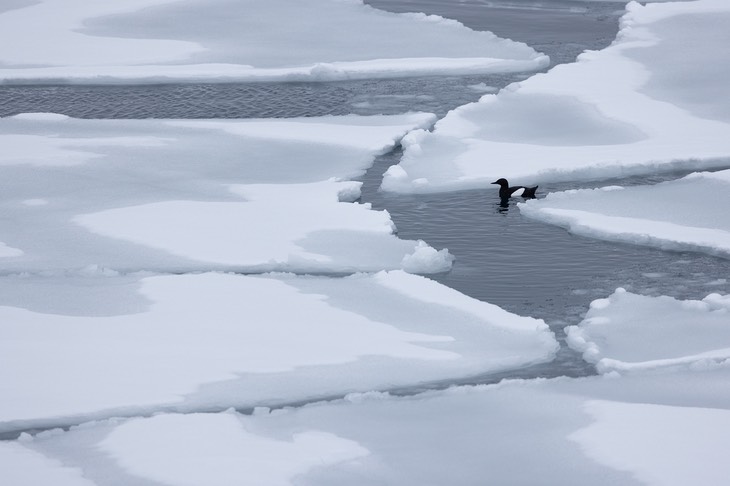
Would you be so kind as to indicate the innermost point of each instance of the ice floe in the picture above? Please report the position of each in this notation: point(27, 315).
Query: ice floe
point(86, 199)
point(280, 40)
point(685, 214)
point(21, 466)
point(650, 101)
point(217, 340)
point(175, 195)
point(630, 430)
point(630, 333)
point(645, 438)
point(8, 251)
point(223, 451)
point(282, 227)
point(306, 149)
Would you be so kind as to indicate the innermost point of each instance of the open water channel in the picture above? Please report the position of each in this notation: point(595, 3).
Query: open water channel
point(525, 266)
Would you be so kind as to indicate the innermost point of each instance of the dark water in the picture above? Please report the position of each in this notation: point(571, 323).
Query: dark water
point(560, 28)
point(525, 266)
point(253, 100)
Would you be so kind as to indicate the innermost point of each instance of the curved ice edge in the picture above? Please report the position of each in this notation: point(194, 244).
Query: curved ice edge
point(229, 73)
point(15, 429)
point(397, 180)
point(656, 234)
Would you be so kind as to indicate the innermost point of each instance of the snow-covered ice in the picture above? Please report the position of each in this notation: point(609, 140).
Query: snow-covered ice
point(21, 466)
point(173, 195)
point(223, 451)
point(684, 214)
point(651, 101)
point(8, 251)
point(630, 430)
point(219, 40)
point(306, 149)
point(631, 333)
point(658, 444)
point(98, 215)
point(218, 340)
point(282, 227)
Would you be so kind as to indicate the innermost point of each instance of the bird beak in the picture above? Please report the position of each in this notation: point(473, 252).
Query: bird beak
point(495, 182)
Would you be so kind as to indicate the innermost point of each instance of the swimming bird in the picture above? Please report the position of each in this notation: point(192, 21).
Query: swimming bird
point(505, 191)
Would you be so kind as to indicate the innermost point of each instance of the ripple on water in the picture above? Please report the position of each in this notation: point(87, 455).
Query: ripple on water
point(249, 100)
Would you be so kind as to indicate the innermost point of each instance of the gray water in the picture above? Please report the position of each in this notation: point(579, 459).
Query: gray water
point(525, 266)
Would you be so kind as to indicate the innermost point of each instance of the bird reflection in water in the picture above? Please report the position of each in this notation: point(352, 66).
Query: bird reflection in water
point(503, 206)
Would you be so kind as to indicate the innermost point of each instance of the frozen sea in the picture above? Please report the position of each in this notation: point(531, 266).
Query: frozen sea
point(203, 283)
point(525, 266)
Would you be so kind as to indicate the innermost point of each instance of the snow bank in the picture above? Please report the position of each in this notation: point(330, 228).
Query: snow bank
point(629, 332)
point(181, 195)
point(217, 340)
point(631, 430)
point(650, 101)
point(685, 214)
point(219, 40)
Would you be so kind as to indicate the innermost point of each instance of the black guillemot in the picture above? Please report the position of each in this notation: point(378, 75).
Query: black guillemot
point(505, 191)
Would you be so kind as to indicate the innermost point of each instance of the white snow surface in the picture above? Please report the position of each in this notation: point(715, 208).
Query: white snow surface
point(633, 333)
point(216, 340)
point(93, 209)
point(685, 214)
point(292, 227)
point(664, 445)
point(178, 195)
point(650, 101)
point(244, 40)
point(21, 466)
point(8, 251)
point(221, 444)
point(629, 430)
point(307, 149)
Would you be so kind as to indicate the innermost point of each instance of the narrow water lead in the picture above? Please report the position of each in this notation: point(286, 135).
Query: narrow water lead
point(515, 262)
point(535, 269)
